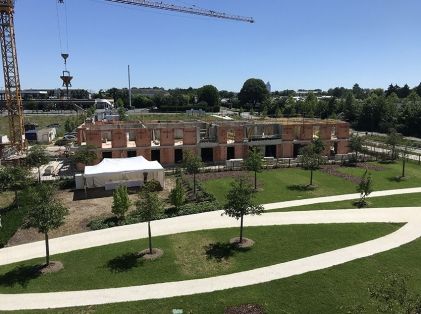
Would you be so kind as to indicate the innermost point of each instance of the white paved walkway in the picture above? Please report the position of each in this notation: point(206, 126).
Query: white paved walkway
point(406, 234)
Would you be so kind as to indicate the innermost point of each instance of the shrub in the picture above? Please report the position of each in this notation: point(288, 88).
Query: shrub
point(196, 208)
point(64, 184)
point(152, 186)
point(177, 195)
point(121, 202)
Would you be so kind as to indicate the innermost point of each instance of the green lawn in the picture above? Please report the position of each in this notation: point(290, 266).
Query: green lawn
point(407, 200)
point(331, 291)
point(386, 179)
point(284, 185)
point(187, 256)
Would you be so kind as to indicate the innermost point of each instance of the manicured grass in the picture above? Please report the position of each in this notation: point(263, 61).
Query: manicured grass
point(335, 290)
point(386, 179)
point(406, 200)
point(187, 256)
point(284, 185)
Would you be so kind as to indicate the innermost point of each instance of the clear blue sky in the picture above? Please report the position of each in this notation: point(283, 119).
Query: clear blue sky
point(293, 44)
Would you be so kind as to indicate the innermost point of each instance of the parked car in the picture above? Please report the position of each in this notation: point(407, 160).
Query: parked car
point(70, 137)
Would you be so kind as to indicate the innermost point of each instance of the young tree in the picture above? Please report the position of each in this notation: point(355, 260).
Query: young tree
point(192, 163)
point(365, 187)
point(177, 195)
point(37, 157)
point(45, 211)
point(149, 208)
point(14, 178)
point(404, 155)
point(254, 163)
point(393, 140)
point(122, 112)
point(310, 160)
point(356, 144)
point(240, 202)
point(318, 146)
point(69, 125)
point(121, 203)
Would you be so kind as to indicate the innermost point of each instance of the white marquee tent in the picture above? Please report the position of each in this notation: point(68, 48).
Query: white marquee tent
point(110, 173)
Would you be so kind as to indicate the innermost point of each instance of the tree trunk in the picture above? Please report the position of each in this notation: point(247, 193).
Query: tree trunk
point(241, 229)
point(150, 237)
point(311, 177)
point(39, 174)
point(255, 180)
point(47, 250)
point(194, 184)
point(403, 166)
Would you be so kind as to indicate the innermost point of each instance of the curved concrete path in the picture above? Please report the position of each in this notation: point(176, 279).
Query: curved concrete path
point(212, 220)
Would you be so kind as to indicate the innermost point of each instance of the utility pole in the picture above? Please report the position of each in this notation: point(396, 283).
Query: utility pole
point(130, 88)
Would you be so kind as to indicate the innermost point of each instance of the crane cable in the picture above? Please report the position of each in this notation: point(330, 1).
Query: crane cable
point(59, 27)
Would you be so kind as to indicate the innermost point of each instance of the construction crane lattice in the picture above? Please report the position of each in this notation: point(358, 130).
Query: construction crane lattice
point(11, 75)
point(184, 9)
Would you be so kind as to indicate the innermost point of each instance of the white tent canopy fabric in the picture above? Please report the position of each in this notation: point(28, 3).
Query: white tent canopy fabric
point(110, 173)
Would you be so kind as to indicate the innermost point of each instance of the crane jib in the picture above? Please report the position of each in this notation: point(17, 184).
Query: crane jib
point(184, 9)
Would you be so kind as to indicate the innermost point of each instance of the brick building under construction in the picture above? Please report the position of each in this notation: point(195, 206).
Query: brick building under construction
point(215, 142)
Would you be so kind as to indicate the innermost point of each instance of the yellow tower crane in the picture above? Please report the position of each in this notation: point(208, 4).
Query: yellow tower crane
point(13, 96)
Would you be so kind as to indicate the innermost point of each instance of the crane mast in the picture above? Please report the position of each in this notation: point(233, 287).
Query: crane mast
point(183, 9)
point(11, 76)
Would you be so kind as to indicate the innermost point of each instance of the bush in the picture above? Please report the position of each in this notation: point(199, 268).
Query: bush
point(152, 186)
point(64, 184)
point(196, 208)
point(99, 224)
point(177, 195)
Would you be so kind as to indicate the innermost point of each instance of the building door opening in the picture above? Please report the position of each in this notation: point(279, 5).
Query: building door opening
point(230, 153)
point(156, 155)
point(107, 155)
point(207, 154)
point(297, 149)
point(131, 153)
point(178, 156)
point(270, 151)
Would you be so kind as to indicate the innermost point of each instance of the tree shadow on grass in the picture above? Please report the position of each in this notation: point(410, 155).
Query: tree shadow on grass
point(301, 187)
point(124, 262)
point(398, 179)
point(222, 251)
point(20, 275)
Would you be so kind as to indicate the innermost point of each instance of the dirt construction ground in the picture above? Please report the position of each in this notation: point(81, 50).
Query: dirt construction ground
point(81, 212)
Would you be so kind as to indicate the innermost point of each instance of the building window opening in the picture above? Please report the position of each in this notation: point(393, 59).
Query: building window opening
point(156, 155)
point(207, 154)
point(230, 153)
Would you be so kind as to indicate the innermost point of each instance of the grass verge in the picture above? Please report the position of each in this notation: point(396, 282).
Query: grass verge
point(186, 256)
